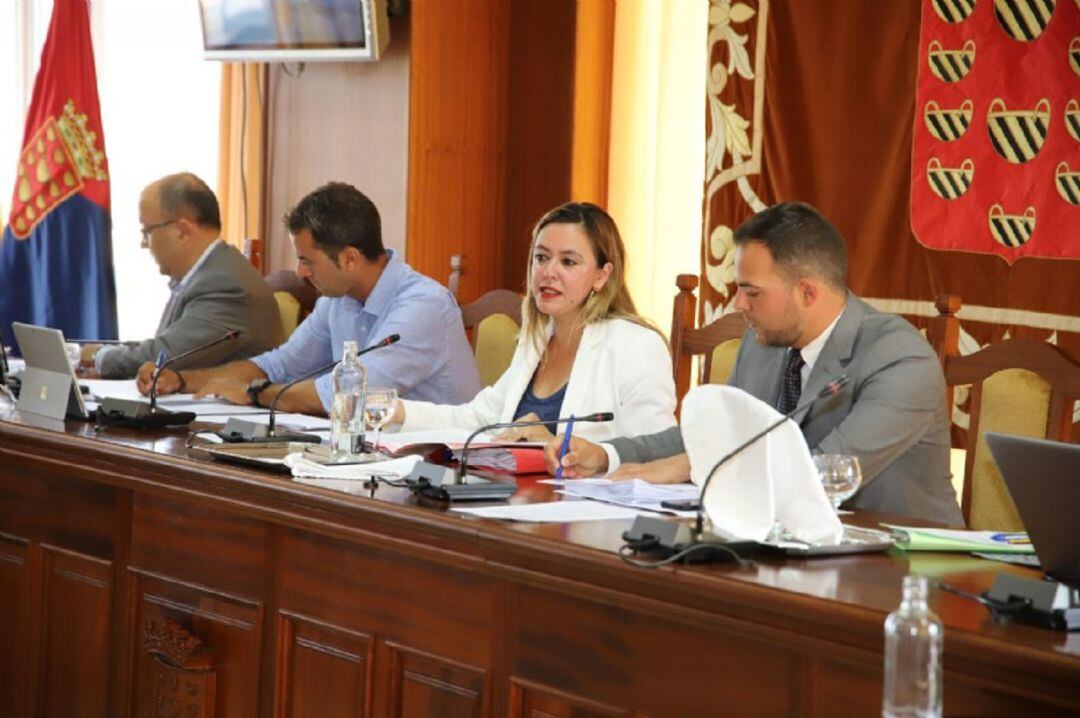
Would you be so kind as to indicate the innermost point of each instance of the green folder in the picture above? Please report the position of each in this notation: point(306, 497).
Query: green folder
point(915, 538)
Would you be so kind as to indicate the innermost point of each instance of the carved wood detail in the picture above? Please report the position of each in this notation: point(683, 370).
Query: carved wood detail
point(182, 675)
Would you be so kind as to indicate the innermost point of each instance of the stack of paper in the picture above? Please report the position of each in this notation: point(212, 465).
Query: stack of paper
point(914, 538)
point(635, 494)
point(511, 459)
point(306, 468)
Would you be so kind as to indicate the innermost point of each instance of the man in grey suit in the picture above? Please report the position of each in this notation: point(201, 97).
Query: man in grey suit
point(791, 267)
point(214, 288)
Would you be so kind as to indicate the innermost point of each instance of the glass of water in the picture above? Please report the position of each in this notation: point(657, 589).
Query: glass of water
point(841, 476)
point(378, 409)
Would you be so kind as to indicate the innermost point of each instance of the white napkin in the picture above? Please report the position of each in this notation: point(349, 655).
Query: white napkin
point(347, 476)
point(772, 480)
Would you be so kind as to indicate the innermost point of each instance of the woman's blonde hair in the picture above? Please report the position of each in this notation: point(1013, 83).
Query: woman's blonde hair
point(613, 300)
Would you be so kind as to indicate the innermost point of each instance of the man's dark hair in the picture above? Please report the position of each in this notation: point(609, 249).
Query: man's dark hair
point(802, 242)
point(185, 195)
point(338, 216)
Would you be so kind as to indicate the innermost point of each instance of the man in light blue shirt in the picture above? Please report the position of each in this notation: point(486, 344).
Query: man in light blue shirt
point(368, 294)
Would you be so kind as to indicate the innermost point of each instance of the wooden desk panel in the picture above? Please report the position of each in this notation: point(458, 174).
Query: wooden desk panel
point(293, 600)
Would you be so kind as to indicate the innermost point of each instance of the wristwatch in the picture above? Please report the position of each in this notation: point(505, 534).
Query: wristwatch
point(256, 387)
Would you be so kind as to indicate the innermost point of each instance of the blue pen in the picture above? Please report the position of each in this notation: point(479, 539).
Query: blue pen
point(160, 360)
point(565, 447)
point(1020, 538)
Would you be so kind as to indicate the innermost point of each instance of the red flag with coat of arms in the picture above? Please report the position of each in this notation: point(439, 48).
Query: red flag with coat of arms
point(996, 141)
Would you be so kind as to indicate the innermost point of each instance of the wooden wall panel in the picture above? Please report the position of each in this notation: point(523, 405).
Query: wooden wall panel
point(393, 595)
point(345, 121)
point(321, 666)
point(530, 700)
point(490, 134)
point(573, 643)
point(457, 135)
point(75, 666)
point(14, 624)
point(230, 629)
point(540, 124)
point(425, 685)
point(196, 544)
point(81, 515)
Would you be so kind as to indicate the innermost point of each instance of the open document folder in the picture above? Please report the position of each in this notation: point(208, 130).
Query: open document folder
point(914, 538)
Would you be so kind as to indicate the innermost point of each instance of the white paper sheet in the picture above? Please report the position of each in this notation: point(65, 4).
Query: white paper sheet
point(635, 494)
point(553, 512)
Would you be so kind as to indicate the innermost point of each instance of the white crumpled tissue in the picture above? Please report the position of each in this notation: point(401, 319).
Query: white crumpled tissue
point(771, 480)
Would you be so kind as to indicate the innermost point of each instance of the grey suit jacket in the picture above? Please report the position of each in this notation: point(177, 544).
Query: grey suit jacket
point(226, 292)
point(892, 414)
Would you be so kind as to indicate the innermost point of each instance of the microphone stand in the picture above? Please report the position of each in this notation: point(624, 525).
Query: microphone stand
point(242, 431)
point(446, 484)
point(140, 414)
point(228, 336)
point(648, 533)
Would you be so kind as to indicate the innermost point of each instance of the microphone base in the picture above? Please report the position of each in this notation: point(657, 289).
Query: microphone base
point(662, 538)
point(138, 414)
point(441, 483)
point(239, 431)
point(1049, 604)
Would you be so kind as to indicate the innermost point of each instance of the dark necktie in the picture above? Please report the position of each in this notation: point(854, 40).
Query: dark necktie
point(791, 386)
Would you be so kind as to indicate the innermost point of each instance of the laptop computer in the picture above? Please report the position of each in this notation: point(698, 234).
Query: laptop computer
point(49, 387)
point(1043, 478)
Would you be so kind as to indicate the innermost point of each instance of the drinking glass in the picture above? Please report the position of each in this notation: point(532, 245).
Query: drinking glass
point(378, 409)
point(841, 476)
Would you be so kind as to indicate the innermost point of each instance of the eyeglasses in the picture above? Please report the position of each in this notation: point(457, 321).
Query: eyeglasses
point(147, 230)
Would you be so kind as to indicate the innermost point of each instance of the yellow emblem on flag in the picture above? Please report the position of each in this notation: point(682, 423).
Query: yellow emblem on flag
point(949, 182)
point(1068, 183)
point(53, 166)
point(948, 125)
point(1011, 230)
point(1018, 135)
point(1072, 119)
point(1074, 54)
point(954, 11)
point(1024, 20)
point(951, 65)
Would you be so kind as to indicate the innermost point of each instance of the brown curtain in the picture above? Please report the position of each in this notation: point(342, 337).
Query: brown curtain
point(838, 95)
point(241, 153)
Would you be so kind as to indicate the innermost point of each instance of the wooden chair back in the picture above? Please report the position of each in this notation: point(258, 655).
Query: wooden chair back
point(295, 298)
point(1017, 386)
point(717, 343)
point(493, 323)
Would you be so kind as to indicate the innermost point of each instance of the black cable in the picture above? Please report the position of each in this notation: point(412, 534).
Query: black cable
point(626, 550)
point(999, 610)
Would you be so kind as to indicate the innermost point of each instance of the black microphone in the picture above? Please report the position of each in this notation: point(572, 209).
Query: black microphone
point(139, 414)
point(653, 532)
point(226, 337)
point(239, 430)
point(445, 484)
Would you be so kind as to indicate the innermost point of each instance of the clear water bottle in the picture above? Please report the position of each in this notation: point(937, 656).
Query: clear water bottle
point(347, 414)
point(914, 645)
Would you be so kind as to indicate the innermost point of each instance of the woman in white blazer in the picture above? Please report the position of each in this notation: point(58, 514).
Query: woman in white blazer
point(583, 348)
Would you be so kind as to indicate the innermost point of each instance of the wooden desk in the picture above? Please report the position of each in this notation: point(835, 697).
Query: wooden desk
point(297, 601)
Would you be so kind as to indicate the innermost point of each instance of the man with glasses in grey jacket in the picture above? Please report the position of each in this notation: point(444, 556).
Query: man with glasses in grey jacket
point(213, 287)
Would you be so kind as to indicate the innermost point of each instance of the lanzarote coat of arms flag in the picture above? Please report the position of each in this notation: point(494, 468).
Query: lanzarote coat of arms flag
point(56, 253)
point(996, 155)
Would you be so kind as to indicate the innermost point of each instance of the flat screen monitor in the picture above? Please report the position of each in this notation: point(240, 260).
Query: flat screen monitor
point(294, 30)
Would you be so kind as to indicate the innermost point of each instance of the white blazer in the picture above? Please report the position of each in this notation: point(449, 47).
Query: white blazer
point(621, 367)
